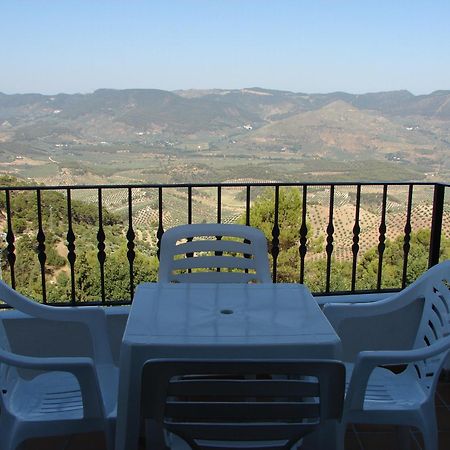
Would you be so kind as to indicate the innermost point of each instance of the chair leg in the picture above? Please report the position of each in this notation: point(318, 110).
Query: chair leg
point(154, 436)
point(10, 440)
point(340, 435)
point(9, 443)
point(110, 435)
point(430, 435)
point(426, 422)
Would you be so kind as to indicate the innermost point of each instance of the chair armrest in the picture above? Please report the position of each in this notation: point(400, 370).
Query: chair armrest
point(375, 325)
point(35, 309)
point(340, 312)
point(84, 314)
point(82, 368)
point(367, 361)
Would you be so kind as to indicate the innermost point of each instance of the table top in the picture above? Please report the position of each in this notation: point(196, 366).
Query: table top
point(227, 314)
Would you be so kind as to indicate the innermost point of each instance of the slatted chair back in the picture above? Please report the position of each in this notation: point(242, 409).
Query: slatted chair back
point(270, 411)
point(214, 253)
point(434, 288)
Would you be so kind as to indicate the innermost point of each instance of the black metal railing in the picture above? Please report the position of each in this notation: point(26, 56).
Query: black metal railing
point(313, 196)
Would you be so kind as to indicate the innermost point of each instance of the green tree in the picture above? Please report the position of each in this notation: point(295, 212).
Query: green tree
point(340, 276)
point(262, 216)
point(392, 269)
point(288, 263)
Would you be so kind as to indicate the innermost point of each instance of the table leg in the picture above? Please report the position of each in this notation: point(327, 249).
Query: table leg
point(128, 404)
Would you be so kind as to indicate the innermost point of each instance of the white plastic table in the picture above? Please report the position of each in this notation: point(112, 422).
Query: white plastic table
point(216, 321)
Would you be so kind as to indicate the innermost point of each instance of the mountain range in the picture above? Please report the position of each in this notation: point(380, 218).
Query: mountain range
point(395, 125)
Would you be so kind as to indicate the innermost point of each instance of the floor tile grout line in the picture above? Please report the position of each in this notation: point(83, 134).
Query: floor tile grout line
point(442, 400)
point(414, 438)
point(358, 439)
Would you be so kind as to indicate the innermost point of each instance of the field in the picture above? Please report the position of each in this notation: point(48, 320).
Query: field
point(204, 209)
point(370, 217)
point(114, 164)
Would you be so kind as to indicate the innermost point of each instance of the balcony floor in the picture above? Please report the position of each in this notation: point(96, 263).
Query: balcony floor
point(360, 437)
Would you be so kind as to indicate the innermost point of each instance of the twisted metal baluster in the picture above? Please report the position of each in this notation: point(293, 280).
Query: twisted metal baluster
point(41, 245)
point(407, 237)
point(219, 204)
point(275, 235)
point(356, 233)
point(247, 217)
point(10, 255)
point(189, 204)
point(130, 242)
point(71, 256)
point(219, 219)
point(189, 239)
point(330, 231)
point(303, 236)
point(101, 255)
point(382, 237)
point(160, 230)
point(247, 206)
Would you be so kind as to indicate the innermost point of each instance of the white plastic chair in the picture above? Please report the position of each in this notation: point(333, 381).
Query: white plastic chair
point(61, 395)
point(388, 324)
point(377, 395)
point(224, 404)
point(214, 253)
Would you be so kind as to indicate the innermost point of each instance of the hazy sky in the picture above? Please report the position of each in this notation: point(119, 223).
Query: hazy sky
point(300, 45)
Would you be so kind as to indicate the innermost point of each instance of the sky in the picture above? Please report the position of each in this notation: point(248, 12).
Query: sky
point(53, 46)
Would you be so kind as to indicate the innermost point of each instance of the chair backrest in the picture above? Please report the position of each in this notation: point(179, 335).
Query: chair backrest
point(210, 253)
point(90, 318)
point(434, 288)
point(21, 303)
point(272, 403)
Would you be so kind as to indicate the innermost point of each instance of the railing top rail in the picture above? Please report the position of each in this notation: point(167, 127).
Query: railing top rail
point(224, 184)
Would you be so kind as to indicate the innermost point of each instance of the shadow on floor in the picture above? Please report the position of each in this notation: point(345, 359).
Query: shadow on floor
point(359, 437)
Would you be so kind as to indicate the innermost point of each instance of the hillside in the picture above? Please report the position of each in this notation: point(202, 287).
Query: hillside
point(340, 128)
point(133, 109)
point(133, 133)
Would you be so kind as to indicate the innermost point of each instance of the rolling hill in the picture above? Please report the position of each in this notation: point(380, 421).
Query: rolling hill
point(259, 123)
point(341, 128)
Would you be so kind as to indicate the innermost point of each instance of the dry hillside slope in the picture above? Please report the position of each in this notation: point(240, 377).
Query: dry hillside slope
point(339, 125)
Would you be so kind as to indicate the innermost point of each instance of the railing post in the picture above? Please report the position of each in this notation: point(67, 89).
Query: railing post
point(436, 224)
